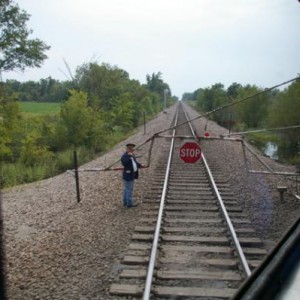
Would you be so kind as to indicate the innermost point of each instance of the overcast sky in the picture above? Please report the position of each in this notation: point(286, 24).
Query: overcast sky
point(193, 43)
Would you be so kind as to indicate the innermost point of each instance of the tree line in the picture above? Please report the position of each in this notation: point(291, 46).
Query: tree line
point(99, 107)
point(274, 109)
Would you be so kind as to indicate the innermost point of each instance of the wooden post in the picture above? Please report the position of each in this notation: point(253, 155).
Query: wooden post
point(230, 123)
point(281, 190)
point(76, 176)
point(144, 122)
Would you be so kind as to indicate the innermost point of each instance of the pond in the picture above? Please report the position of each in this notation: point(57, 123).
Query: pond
point(282, 153)
point(271, 150)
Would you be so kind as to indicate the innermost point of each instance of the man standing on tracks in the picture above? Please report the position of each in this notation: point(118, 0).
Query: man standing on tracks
point(130, 173)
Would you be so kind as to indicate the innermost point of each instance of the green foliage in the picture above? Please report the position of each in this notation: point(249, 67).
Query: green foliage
point(261, 138)
point(9, 125)
point(98, 138)
point(103, 109)
point(252, 112)
point(76, 117)
point(104, 82)
point(18, 173)
point(57, 140)
point(258, 109)
point(123, 100)
point(233, 90)
point(81, 124)
point(122, 112)
point(33, 152)
point(156, 84)
point(284, 112)
point(45, 90)
point(64, 160)
point(5, 151)
point(17, 50)
point(188, 97)
point(209, 99)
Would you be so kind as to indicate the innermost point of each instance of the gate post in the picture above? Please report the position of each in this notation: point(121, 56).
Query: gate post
point(76, 175)
point(144, 115)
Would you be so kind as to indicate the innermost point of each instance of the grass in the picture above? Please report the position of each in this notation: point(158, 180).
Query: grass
point(39, 107)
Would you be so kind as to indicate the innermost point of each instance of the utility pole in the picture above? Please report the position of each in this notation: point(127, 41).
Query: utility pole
point(165, 100)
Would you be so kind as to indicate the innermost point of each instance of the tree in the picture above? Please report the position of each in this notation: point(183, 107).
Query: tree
point(211, 98)
point(187, 96)
point(9, 126)
point(156, 84)
point(17, 51)
point(104, 82)
point(32, 149)
point(122, 112)
point(253, 112)
point(233, 90)
point(76, 116)
point(285, 111)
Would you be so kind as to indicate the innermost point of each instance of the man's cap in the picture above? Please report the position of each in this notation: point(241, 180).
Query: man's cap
point(130, 145)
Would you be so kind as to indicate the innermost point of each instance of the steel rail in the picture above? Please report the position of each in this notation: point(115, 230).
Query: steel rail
point(151, 265)
point(228, 221)
point(224, 211)
point(152, 260)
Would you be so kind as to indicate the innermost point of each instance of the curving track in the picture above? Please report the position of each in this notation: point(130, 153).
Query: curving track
point(197, 250)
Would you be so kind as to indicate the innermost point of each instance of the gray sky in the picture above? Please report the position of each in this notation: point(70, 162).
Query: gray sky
point(193, 43)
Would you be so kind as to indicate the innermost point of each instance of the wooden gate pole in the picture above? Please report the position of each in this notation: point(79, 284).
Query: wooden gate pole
point(76, 176)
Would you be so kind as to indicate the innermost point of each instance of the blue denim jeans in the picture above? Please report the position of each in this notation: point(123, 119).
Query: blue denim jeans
point(128, 192)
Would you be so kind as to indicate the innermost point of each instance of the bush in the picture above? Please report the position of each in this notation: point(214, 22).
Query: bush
point(64, 160)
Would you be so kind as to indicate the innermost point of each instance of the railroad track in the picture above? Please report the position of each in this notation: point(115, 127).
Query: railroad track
point(186, 246)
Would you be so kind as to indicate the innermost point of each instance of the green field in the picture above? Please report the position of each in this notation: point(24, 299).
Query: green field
point(39, 108)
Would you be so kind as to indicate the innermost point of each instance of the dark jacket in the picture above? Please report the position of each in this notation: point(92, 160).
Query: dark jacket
point(128, 173)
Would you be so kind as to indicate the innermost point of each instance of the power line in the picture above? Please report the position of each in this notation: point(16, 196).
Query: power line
point(263, 130)
point(233, 103)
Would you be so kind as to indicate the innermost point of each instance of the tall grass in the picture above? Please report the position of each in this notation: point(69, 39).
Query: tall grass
point(18, 173)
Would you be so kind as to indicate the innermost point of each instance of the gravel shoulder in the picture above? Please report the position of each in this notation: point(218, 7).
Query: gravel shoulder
point(57, 248)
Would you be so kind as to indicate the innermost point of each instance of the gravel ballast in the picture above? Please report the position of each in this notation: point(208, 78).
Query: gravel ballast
point(57, 248)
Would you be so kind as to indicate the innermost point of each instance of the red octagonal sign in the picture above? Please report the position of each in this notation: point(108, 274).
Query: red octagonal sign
point(190, 152)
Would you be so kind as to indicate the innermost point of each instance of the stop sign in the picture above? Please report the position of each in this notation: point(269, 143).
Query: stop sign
point(190, 152)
